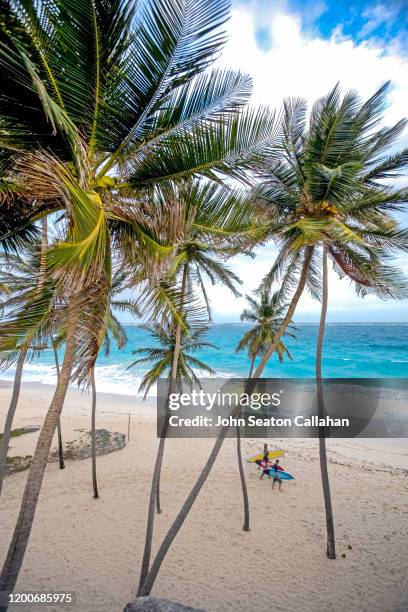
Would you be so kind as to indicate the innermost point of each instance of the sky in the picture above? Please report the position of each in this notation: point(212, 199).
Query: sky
point(302, 48)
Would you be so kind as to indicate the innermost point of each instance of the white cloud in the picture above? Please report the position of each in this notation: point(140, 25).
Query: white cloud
point(300, 64)
point(377, 15)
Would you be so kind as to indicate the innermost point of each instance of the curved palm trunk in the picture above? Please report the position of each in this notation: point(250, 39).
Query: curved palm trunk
point(93, 435)
point(155, 486)
point(10, 415)
point(59, 429)
point(331, 548)
point(22, 531)
point(146, 587)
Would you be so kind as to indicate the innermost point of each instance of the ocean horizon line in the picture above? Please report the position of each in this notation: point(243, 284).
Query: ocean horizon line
point(218, 324)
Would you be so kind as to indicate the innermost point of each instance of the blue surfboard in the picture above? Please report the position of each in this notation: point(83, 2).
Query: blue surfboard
point(282, 475)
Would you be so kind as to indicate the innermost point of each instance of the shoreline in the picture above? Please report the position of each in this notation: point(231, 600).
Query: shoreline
point(386, 454)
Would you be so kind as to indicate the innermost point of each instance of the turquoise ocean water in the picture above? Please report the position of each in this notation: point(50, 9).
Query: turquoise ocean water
point(351, 350)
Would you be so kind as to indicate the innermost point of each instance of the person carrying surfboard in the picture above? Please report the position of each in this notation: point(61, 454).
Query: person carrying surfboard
point(264, 461)
point(274, 472)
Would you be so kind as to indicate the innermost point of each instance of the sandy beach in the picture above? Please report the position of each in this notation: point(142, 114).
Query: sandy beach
point(93, 547)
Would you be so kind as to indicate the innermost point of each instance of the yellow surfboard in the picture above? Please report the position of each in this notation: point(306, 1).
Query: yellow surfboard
point(271, 455)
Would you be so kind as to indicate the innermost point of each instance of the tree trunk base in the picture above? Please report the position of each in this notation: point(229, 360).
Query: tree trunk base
point(331, 554)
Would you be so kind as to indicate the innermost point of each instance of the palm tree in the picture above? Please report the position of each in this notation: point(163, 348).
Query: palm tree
point(27, 276)
point(117, 98)
point(267, 314)
point(160, 355)
point(208, 223)
point(325, 186)
point(326, 191)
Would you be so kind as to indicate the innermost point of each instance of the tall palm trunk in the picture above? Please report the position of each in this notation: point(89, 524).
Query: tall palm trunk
point(176, 355)
point(10, 415)
point(155, 486)
point(331, 549)
point(59, 429)
point(93, 435)
point(243, 482)
point(19, 367)
point(146, 587)
point(244, 488)
point(22, 531)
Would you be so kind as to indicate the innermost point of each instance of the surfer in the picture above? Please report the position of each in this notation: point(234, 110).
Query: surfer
point(274, 473)
point(264, 461)
point(266, 464)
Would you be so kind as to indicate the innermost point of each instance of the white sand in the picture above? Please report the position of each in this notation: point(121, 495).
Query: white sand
point(94, 547)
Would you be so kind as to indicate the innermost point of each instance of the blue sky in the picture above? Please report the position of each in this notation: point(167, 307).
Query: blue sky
point(361, 20)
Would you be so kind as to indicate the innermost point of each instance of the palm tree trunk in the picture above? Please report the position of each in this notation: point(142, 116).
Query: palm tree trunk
point(60, 445)
point(59, 430)
point(10, 415)
point(331, 548)
point(291, 310)
point(93, 434)
point(251, 369)
point(243, 482)
point(155, 487)
point(146, 586)
point(177, 346)
point(21, 535)
point(245, 498)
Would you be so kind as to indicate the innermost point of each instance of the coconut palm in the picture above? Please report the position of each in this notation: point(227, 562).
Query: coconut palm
point(211, 223)
point(160, 355)
point(99, 102)
point(325, 187)
point(267, 315)
point(23, 277)
point(326, 191)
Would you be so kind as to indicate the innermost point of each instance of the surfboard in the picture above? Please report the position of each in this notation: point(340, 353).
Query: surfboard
point(271, 455)
point(282, 475)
